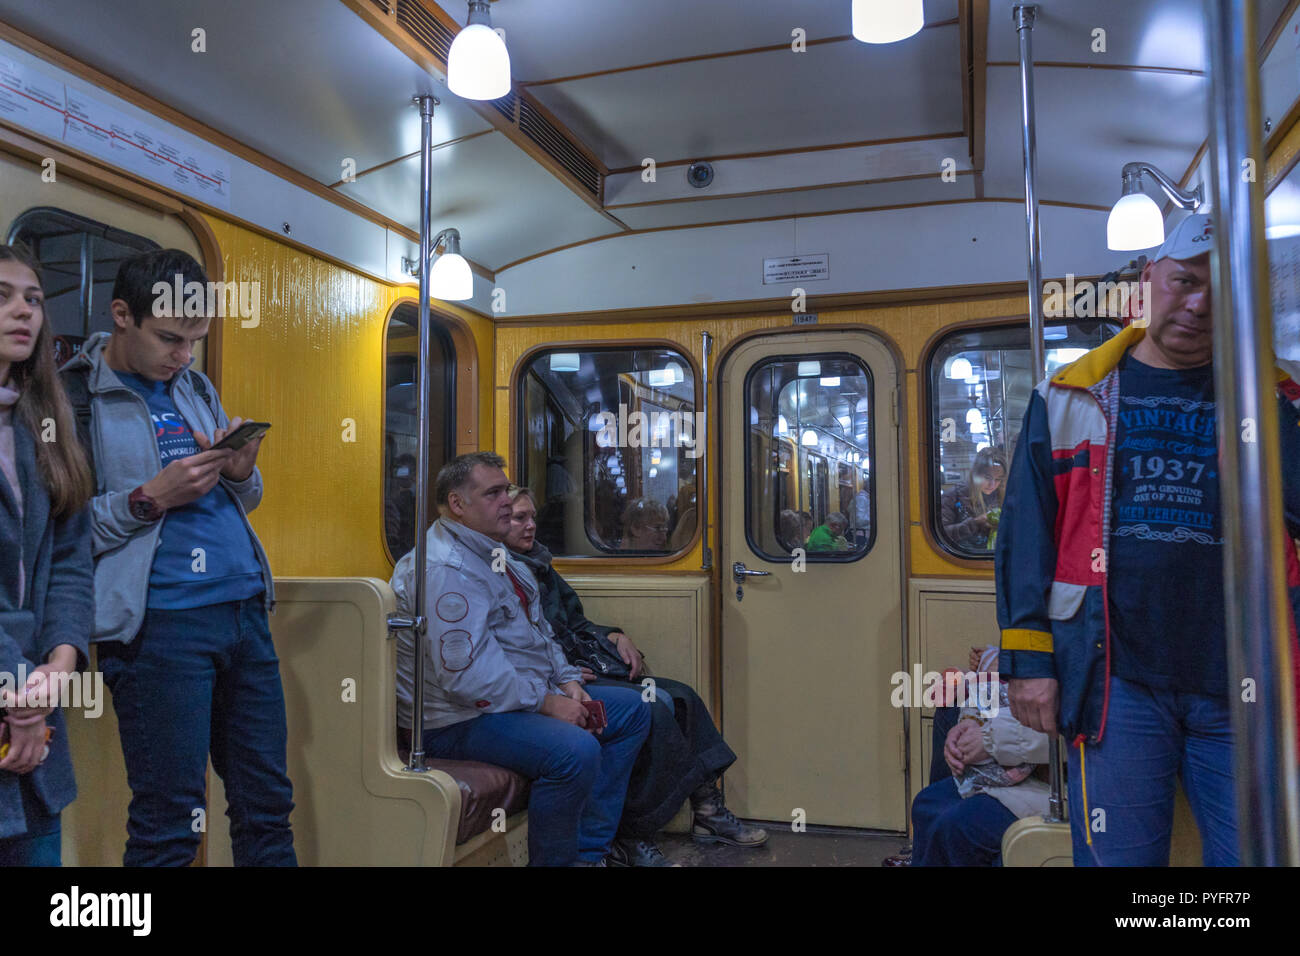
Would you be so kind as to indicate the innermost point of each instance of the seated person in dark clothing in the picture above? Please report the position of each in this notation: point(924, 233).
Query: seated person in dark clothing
point(960, 819)
point(684, 755)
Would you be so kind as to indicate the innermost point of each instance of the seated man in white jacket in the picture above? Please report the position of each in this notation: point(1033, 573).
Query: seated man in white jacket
point(960, 821)
point(498, 687)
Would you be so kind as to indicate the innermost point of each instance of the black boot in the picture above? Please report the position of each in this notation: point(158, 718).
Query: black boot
point(714, 823)
point(628, 852)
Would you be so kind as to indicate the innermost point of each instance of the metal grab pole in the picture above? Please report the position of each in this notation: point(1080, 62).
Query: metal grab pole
point(1250, 484)
point(1023, 17)
point(702, 451)
point(416, 764)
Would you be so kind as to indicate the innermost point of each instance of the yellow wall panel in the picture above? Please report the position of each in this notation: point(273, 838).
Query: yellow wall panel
point(314, 363)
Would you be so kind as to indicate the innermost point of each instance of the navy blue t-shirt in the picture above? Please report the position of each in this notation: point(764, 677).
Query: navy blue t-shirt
point(1166, 539)
point(205, 555)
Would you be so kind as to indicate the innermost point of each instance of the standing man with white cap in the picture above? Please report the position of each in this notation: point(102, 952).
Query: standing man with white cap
point(1110, 571)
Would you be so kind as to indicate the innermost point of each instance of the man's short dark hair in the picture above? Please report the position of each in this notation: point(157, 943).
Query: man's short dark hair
point(137, 276)
point(455, 474)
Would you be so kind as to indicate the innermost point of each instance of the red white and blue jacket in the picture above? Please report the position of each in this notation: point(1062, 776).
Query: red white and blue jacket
point(1053, 538)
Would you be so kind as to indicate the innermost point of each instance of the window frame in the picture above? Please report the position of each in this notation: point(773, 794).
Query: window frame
point(928, 430)
point(813, 557)
point(88, 228)
point(518, 439)
point(444, 334)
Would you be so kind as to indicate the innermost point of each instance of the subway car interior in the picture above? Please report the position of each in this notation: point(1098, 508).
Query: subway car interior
point(752, 297)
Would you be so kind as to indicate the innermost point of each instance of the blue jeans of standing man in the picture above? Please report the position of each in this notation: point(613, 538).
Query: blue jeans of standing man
point(579, 779)
point(198, 681)
point(1126, 783)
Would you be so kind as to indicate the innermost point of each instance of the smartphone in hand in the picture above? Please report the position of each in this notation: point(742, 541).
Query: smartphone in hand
point(242, 435)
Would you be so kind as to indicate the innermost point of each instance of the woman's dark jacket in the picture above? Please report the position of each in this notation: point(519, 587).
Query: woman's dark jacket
point(958, 519)
point(57, 608)
point(585, 644)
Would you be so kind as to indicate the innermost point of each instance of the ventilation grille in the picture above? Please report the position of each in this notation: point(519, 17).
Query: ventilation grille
point(425, 27)
point(434, 36)
point(558, 146)
point(384, 6)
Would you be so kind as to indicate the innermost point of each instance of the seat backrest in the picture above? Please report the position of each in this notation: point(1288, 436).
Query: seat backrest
point(355, 804)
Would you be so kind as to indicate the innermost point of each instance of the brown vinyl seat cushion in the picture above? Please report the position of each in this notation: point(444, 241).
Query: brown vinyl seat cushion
point(483, 788)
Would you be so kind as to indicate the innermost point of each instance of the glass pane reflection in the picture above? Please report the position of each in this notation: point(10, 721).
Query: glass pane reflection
point(809, 458)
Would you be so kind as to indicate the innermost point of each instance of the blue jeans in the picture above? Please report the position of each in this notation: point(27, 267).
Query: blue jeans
point(949, 830)
point(579, 779)
point(42, 844)
point(198, 681)
point(1126, 783)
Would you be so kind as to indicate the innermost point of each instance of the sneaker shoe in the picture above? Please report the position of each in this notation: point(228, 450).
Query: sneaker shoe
point(637, 853)
point(714, 823)
point(600, 862)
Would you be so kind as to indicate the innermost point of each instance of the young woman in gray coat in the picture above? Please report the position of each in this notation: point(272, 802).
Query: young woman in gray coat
point(46, 584)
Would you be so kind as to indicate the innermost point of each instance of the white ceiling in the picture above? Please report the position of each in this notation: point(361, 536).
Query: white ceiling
point(310, 83)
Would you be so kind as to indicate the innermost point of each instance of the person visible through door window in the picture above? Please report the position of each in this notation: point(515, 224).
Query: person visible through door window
point(971, 511)
point(830, 536)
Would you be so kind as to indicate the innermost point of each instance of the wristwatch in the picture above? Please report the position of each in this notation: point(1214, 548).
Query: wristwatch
point(142, 507)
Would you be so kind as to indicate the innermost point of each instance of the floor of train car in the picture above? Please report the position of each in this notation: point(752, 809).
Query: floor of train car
point(784, 848)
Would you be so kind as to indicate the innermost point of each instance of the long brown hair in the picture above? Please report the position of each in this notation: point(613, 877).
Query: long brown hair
point(41, 399)
point(985, 461)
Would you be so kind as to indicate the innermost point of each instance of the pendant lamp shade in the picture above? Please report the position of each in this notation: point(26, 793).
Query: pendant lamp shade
point(887, 21)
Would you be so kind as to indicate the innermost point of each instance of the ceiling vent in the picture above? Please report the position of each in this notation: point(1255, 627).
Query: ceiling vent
point(517, 107)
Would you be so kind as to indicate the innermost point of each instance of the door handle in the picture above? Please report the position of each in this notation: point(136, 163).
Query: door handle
point(738, 574)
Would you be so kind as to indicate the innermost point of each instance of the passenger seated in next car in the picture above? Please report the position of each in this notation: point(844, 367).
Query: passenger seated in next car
point(960, 820)
point(971, 511)
point(497, 686)
point(685, 753)
point(789, 530)
point(645, 526)
point(830, 536)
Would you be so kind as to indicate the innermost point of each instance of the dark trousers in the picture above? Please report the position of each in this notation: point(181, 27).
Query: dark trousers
point(945, 719)
point(948, 830)
point(684, 751)
point(195, 682)
point(42, 844)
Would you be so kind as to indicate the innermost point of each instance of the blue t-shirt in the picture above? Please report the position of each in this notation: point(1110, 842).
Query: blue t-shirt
point(205, 555)
point(1168, 624)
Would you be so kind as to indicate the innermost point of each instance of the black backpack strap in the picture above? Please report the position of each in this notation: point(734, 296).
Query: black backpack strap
point(200, 386)
point(76, 382)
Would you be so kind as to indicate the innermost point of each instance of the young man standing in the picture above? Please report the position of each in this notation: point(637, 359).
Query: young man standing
point(182, 585)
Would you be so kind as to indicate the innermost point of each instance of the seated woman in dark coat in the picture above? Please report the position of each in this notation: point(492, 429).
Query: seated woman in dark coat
point(684, 755)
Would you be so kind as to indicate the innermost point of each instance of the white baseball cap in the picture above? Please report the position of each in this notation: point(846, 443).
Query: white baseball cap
point(1192, 237)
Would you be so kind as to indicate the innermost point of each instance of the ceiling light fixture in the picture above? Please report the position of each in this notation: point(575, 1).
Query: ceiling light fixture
point(887, 21)
point(1135, 221)
point(478, 64)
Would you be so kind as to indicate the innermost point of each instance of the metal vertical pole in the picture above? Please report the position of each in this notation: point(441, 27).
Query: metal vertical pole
point(1023, 17)
point(1250, 483)
point(702, 450)
point(426, 104)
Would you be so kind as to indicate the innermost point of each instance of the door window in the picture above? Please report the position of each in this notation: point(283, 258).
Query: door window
point(809, 479)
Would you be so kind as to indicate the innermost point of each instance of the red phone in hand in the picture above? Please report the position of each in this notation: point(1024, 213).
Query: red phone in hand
point(596, 714)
